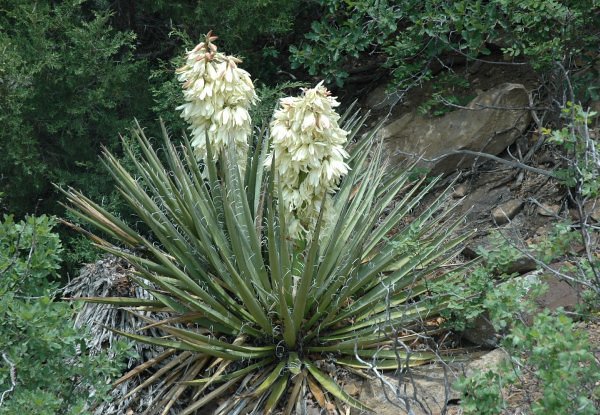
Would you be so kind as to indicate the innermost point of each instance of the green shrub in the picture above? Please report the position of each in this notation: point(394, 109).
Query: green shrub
point(482, 393)
point(30, 255)
point(409, 37)
point(550, 354)
point(555, 355)
point(562, 360)
point(44, 367)
point(68, 85)
point(582, 172)
point(484, 289)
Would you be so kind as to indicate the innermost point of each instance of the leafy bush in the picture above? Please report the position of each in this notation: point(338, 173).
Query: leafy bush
point(556, 355)
point(490, 291)
point(409, 38)
point(44, 368)
point(562, 361)
point(580, 174)
point(277, 273)
point(583, 166)
point(30, 255)
point(482, 393)
point(68, 85)
point(488, 288)
point(551, 361)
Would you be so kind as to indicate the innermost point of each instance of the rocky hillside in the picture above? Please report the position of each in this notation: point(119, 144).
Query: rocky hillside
point(509, 175)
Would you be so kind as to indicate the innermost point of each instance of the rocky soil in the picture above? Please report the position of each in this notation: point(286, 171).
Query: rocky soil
point(512, 193)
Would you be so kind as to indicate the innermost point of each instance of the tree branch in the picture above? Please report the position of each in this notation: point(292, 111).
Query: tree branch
point(510, 163)
point(13, 378)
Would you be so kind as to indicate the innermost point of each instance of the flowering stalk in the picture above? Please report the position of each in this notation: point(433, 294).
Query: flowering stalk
point(307, 144)
point(218, 96)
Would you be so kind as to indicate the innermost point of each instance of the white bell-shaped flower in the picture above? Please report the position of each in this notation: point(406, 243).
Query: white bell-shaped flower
point(307, 144)
point(218, 97)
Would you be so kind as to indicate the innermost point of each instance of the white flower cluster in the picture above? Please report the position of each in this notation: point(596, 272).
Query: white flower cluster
point(307, 144)
point(218, 96)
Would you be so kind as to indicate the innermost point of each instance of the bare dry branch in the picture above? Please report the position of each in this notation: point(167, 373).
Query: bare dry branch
point(13, 378)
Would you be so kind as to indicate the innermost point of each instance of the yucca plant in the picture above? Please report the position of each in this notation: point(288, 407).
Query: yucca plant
point(256, 310)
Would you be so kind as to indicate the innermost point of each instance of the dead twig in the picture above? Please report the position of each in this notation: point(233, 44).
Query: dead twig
point(513, 163)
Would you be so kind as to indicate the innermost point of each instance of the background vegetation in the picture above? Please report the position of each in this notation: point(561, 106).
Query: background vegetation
point(45, 368)
point(75, 73)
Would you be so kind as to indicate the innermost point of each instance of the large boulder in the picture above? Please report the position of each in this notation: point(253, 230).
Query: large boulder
point(492, 122)
point(380, 98)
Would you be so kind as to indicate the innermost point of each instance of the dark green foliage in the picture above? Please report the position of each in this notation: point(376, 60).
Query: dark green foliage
point(412, 38)
point(51, 372)
point(167, 96)
point(256, 31)
point(68, 85)
point(448, 90)
point(29, 255)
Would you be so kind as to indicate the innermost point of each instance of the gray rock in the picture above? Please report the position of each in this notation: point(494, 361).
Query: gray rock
point(505, 212)
point(596, 214)
point(380, 98)
point(481, 332)
point(488, 361)
point(548, 210)
point(493, 121)
point(591, 209)
point(428, 388)
point(560, 292)
point(459, 191)
point(433, 389)
point(595, 106)
point(521, 265)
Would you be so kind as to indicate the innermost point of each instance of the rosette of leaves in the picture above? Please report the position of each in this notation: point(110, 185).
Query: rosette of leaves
point(262, 316)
